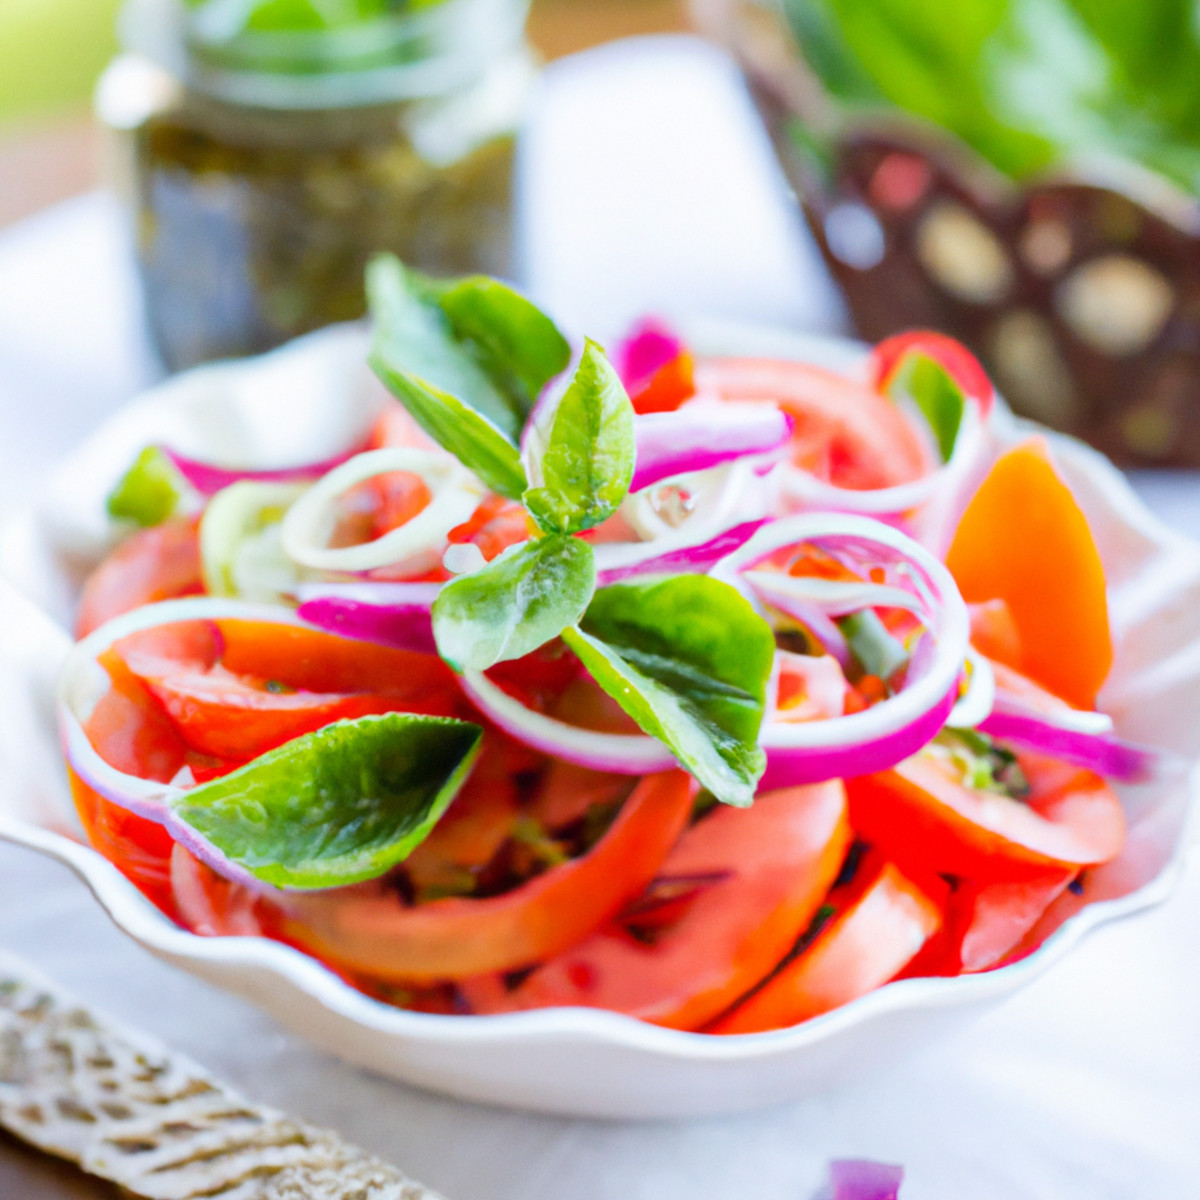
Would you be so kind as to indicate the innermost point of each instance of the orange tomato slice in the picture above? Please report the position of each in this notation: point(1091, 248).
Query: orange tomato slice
point(864, 946)
point(369, 930)
point(1024, 540)
point(921, 816)
point(739, 888)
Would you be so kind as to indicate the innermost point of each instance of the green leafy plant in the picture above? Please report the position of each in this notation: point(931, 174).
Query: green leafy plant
point(1027, 83)
point(685, 656)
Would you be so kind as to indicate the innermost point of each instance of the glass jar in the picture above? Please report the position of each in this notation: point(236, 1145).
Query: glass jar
point(264, 168)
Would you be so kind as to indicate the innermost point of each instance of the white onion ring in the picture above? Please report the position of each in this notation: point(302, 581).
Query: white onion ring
point(926, 497)
point(976, 705)
point(948, 626)
point(728, 495)
point(310, 521)
point(619, 753)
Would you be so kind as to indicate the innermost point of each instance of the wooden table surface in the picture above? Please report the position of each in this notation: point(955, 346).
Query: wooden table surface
point(41, 166)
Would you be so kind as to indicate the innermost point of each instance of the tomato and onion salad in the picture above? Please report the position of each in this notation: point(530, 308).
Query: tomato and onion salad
point(572, 861)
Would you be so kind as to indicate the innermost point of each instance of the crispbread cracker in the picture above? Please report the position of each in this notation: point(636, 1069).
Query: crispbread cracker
point(126, 1109)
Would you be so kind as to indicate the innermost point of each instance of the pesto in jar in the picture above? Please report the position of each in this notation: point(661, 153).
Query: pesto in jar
point(268, 167)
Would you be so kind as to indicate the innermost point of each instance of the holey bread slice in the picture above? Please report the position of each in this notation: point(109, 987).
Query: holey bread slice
point(125, 1109)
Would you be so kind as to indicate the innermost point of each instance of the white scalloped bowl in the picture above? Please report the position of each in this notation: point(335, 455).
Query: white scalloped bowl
point(305, 400)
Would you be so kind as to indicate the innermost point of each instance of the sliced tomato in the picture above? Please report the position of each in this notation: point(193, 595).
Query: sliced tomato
point(994, 633)
point(240, 715)
point(923, 817)
point(868, 940)
point(210, 905)
point(495, 525)
point(154, 564)
point(960, 364)
point(131, 733)
point(368, 929)
point(1024, 540)
point(567, 793)
point(738, 890)
point(986, 922)
point(845, 433)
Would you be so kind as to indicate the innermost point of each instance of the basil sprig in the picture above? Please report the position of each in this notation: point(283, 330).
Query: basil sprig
point(467, 360)
point(685, 656)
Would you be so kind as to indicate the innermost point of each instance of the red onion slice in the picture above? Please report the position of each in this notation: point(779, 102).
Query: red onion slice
point(208, 479)
point(858, 1179)
point(619, 753)
point(624, 560)
point(651, 344)
point(703, 434)
point(880, 736)
point(389, 614)
point(1021, 725)
point(975, 706)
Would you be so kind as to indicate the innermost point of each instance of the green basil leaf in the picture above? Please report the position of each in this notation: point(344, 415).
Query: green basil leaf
point(521, 600)
point(337, 806)
point(688, 659)
point(582, 463)
point(149, 492)
point(519, 347)
point(440, 379)
point(933, 389)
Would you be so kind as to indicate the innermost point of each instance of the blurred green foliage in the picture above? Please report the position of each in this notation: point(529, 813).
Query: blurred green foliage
point(51, 52)
point(1025, 82)
point(296, 15)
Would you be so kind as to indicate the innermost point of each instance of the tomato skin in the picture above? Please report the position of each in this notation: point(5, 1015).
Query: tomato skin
point(923, 818)
point(960, 364)
point(878, 930)
point(130, 733)
point(138, 848)
point(844, 432)
point(240, 715)
point(760, 875)
point(366, 929)
point(986, 922)
point(1023, 539)
point(154, 564)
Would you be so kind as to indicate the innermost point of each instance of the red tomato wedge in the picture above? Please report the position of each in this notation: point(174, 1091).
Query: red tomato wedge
point(985, 922)
point(845, 433)
point(960, 364)
point(240, 714)
point(920, 815)
point(863, 946)
point(1024, 540)
point(741, 886)
point(154, 564)
point(211, 906)
point(368, 929)
point(130, 732)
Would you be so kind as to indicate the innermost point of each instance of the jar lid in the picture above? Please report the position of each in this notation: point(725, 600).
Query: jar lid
point(257, 52)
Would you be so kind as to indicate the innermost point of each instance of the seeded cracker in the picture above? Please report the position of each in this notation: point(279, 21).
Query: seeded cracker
point(127, 1110)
